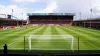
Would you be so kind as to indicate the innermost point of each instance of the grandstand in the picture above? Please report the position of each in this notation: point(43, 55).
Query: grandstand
point(51, 19)
point(8, 21)
point(93, 23)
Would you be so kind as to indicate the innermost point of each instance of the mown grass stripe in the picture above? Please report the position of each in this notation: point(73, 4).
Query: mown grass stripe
point(20, 42)
point(41, 31)
point(74, 35)
point(86, 31)
point(86, 41)
point(12, 33)
point(47, 31)
point(40, 44)
point(61, 32)
point(82, 36)
point(15, 36)
point(89, 38)
point(54, 31)
point(32, 33)
point(88, 35)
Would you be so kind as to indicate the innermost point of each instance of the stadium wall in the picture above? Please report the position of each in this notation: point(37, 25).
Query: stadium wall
point(95, 23)
point(6, 23)
point(51, 20)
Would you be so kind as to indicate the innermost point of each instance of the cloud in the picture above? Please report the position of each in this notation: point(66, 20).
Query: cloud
point(33, 1)
point(68, 6)
point(20, 1)
point(96, 9)
point(49, 9)
point(17, 11)
point(77, 6)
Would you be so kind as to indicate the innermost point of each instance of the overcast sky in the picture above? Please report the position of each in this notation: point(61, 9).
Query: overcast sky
point(51, 6)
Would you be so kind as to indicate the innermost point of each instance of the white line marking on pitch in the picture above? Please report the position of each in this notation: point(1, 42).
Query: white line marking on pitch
point(17, 39)
point(12, 43)
point(92, 44)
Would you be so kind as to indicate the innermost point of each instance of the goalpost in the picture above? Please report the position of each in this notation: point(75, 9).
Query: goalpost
point(48, 36)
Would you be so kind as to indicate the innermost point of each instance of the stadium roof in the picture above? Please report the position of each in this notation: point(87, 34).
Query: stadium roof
point(46, 14)
point(88, 19)
point(6, 19)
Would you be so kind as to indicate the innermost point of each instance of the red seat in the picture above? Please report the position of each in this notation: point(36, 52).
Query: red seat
point(1, 28)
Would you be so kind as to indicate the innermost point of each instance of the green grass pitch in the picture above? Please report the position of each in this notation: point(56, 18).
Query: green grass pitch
point(14, 38)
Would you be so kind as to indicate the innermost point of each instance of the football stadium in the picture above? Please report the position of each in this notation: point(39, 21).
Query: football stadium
point(49, 32)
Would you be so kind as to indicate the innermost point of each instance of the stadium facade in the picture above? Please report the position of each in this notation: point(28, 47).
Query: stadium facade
point(51, 19)
point(93, 23)
point(8, 21)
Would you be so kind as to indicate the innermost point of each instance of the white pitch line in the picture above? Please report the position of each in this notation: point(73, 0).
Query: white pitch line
point(87, 31)
point(12, 43)
point(83, 34)
point(17, 39)
point(92, 44)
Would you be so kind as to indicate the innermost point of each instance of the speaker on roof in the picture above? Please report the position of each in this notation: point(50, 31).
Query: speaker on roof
point(9, 16)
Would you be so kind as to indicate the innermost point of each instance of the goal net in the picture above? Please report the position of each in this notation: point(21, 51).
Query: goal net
point(50, 42)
